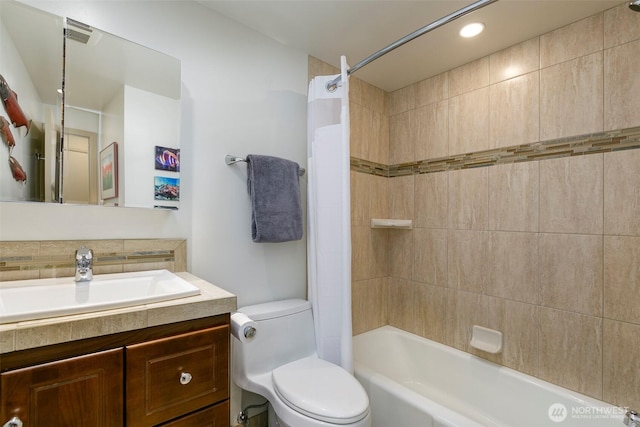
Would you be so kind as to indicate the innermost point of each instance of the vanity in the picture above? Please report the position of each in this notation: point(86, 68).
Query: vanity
point(164, 363)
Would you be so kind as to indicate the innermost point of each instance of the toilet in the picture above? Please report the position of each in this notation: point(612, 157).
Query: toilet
point(281, 364)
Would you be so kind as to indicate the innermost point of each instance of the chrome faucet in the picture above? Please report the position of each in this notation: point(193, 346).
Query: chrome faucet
point(631, 419)
point(84, 260)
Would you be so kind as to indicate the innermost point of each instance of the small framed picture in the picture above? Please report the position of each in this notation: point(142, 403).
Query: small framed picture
point(167, 159)
point(109, 172)
point(166, 188)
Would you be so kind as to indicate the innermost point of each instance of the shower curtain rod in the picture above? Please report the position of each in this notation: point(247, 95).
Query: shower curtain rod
point(333, 84)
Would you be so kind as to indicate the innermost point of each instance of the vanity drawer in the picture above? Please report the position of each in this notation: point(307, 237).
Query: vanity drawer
point(170, 377)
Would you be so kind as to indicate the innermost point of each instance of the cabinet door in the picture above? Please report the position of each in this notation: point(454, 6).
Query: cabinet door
point(213, 416)
point(78, 392)
point(170, 377)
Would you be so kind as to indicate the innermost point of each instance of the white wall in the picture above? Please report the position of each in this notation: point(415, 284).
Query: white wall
point(242, 93)
point(148, 122)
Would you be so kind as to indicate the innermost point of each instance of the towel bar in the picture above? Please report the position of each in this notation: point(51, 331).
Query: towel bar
point(229, 159)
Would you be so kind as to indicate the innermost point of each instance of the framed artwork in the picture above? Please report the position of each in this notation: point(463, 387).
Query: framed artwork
point(167, 159)
point(166, 188)
point(109, 172)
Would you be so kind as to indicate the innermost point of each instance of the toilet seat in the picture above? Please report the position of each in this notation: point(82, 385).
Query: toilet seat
point(321, 390)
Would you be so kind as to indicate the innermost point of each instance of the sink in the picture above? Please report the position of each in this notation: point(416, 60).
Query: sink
point(41, 298)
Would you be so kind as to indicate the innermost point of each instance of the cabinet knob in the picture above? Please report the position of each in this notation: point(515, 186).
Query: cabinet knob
point(13, 422)
point(185, 378)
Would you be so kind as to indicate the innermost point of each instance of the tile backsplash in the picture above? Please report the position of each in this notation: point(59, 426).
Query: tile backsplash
point(20, 260)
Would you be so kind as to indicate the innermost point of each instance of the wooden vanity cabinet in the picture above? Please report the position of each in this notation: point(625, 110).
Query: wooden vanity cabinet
point(172, 375)
point(81, 391)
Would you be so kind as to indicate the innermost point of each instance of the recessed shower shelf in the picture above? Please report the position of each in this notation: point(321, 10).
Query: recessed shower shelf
point(391, 223)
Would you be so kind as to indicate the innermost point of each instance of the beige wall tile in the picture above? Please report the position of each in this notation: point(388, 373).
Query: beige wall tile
point(515, 61)
point(401, 300)
point(571, 195)
point(138, 245)
point(360, 198)
point(432, 311)
point(401, 253)
point(431, 196)
point(432, 131)
point(19, 249)
point(518, 323)
point(621, 361)
point(320, 68)
point(513, 266)
point(379, 188)
point(571, 267)
point(515, 111)
point(401, 198)
point(514, 197)
point(465, 310)
point(469, 77)
point(369, 304)
point(571, 98)
point(19, 275)
point(361, 121)
point(468, 199)
point(402, 137)
point(365, 94)
point(571, 351)
point(468, 260)
point(430, 256)
point(620, 25)
point(622, 278)
point(369, 253)
point(469, 122)
point(622, 86)
point(622, 193)
point(378, 147)
point(401, 100)
point(572, 41)
point(432, 90)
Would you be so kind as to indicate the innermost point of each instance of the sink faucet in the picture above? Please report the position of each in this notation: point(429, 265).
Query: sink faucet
point(84, 259)
point(632, 419)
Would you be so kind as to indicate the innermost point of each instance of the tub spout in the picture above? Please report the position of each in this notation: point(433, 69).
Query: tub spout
point(631, 419)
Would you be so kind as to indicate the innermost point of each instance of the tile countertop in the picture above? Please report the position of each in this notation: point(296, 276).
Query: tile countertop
point(36, 333)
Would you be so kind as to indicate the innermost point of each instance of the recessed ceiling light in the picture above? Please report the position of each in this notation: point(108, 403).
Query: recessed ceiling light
point(472, 30)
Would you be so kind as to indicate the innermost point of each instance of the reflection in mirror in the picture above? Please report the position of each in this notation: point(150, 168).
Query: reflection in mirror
point(119, 92)
point(31, 45)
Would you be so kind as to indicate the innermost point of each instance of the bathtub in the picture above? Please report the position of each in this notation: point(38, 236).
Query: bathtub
point(413, 381)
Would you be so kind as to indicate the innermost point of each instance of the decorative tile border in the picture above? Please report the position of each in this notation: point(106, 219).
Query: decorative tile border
point(604, 142)
point(40, 259)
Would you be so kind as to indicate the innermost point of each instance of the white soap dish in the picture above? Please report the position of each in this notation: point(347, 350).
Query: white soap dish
point(391, 223)
point(486, 339)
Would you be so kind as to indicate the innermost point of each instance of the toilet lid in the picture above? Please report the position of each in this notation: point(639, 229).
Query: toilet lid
point(321, 390)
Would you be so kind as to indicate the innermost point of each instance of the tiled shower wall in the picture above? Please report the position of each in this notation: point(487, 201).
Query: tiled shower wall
point(547, 251)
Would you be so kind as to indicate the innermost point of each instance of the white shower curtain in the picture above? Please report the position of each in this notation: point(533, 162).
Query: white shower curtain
point(329, 218)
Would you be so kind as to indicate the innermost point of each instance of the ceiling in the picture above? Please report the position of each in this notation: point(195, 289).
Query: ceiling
point(327, 29)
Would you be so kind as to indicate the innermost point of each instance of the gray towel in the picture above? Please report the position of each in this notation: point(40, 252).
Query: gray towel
point(274, 188)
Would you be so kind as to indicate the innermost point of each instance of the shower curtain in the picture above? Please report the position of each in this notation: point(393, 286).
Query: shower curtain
point(329, 218)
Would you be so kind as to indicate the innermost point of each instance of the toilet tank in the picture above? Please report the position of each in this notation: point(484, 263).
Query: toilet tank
point(285, 333)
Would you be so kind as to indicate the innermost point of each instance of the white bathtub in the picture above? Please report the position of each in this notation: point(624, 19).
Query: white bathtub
point(412, 381)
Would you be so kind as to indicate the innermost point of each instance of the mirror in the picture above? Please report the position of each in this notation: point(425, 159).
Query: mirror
point(113, 137)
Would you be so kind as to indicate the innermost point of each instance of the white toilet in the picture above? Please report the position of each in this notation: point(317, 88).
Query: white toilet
point(281, 364)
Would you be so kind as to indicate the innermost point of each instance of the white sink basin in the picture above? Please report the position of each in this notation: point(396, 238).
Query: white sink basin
point(41, 298)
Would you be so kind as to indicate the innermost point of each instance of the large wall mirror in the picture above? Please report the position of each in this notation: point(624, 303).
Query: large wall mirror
point(109, 135)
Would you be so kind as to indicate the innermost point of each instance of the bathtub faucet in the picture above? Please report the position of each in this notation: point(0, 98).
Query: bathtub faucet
point(631, 419)
point(84, 260)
